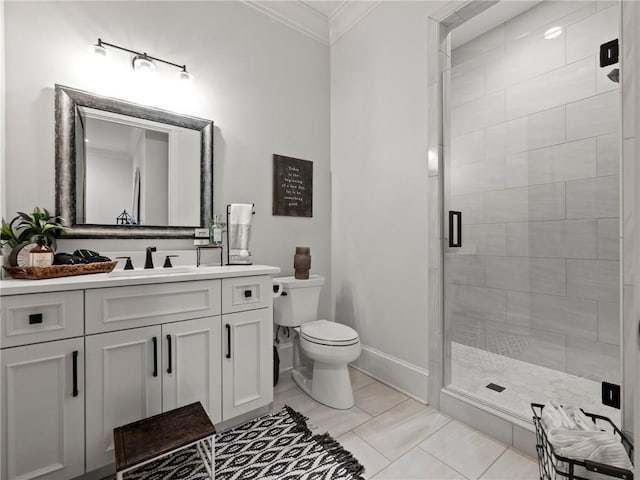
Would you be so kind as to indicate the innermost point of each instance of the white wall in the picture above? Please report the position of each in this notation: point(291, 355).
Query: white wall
point(2, 112)
point(156, 178)
point(265, 86)
point(113, 165)
point(2, 130)
point(379, 190)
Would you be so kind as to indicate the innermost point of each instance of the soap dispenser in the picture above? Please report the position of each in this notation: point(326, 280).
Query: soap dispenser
point(215, 231)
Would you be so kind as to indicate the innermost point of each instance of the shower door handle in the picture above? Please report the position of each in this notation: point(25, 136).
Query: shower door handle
point(455, 229)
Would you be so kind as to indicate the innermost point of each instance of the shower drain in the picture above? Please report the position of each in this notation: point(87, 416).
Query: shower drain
point(495, 387)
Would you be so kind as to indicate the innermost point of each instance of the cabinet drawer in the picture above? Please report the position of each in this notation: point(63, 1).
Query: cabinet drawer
point(41, 317)
point(246, 293)
point(109, 309)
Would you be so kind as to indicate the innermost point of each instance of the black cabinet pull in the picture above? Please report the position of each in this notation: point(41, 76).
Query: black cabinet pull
point(155, 356)
point(75, 373)
point(35, 318)
point(247, 294)
point(169, 353)
point(457, 217)
point(228, 340)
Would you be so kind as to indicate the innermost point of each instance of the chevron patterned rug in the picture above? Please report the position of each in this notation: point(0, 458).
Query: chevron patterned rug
point(278, 446)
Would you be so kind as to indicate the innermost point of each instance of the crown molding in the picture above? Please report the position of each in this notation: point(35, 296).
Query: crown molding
point(296, 15)
point(309, 21)
point(348, 16)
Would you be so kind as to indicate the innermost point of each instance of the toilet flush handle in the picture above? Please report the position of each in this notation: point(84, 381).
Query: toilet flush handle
point(277, 289)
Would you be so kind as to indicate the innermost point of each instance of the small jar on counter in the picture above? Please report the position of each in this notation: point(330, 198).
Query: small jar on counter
point(41, 255)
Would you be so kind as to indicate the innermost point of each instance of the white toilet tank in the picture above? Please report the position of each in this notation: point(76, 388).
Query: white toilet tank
point(298, 302)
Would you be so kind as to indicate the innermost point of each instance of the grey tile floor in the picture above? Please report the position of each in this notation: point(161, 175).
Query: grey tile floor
point(396, 437)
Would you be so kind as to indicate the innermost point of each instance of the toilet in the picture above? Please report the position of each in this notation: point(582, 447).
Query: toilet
point(322, 349)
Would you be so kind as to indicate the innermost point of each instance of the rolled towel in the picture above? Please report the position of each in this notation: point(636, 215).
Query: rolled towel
point(600, 446)
point(583, 422)
point(566, 420)
point(240, 232)
point(553, 417)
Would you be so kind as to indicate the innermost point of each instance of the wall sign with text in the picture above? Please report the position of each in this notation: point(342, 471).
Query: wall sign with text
point(292, 187)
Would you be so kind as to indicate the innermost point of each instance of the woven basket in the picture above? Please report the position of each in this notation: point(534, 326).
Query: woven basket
point(55, 271)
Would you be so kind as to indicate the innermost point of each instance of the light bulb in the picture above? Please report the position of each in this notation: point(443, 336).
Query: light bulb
point(98, 50)
point(143, 64)
point(185, 76)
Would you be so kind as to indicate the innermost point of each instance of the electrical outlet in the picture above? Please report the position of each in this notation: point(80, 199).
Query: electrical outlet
point(609, 53)
point(611, 395)
point(201, 233)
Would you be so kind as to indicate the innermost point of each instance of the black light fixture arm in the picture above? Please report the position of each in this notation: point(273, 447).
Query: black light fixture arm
point(143, 54)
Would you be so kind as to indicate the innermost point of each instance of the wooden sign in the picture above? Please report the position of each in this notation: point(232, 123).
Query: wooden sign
point(292, 187)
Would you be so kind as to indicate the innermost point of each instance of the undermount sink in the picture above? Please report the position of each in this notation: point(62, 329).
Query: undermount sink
point(152, 271)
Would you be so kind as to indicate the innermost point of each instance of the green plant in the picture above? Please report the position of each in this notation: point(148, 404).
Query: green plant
point(24, 226)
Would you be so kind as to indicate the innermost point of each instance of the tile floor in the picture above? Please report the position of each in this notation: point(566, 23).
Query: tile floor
point(397, 438)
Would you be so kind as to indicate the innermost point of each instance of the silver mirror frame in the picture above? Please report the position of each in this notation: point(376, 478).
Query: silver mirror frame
point(67, 101)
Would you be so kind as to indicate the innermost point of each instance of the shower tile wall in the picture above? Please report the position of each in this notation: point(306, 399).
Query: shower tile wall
point(534, 168)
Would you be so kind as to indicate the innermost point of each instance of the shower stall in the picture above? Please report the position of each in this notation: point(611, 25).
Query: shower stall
point(530, 186)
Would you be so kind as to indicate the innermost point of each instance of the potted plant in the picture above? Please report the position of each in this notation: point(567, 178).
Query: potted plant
point(21, 229)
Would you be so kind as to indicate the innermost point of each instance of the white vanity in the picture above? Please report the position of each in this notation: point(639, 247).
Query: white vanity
point(81, 355)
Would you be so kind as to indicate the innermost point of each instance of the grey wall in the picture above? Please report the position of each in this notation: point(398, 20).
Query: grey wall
point(535, 170)
point(265, 86)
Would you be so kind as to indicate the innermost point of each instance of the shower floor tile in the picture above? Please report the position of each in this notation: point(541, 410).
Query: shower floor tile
point(473, 369)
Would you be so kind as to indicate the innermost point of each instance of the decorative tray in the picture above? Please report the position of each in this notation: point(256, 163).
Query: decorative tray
point(55, 271)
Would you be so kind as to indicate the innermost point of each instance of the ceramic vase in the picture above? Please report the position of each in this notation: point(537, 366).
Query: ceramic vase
point(302, 263)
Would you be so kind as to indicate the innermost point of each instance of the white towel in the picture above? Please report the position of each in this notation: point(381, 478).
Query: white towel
point(601, 446)
point(581, 421)
point(574, 435)
point(554, 417)
point(240, 232)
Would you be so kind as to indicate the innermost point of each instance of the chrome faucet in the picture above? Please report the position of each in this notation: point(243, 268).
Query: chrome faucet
point(148, 263)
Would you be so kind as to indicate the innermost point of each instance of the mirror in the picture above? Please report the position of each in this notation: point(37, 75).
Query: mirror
point(128, 171)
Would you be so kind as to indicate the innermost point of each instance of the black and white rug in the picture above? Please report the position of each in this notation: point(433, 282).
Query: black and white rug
point(278, 446)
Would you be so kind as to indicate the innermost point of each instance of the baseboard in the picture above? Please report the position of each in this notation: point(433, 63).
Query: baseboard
point(401, 375)
point(285, 352)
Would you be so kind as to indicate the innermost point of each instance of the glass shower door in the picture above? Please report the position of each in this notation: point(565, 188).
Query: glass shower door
point(531, 187)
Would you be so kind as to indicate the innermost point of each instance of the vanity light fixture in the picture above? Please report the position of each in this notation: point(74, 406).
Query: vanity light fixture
point(141, 61)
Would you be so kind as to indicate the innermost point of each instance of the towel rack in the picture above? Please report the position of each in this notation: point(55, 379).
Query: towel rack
point(228, 249)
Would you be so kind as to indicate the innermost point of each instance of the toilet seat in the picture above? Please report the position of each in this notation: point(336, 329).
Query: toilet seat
point(324, 332)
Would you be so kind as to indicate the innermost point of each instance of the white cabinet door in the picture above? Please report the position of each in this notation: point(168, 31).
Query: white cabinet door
point(123, 385)
point(43, 411)
point(191, 365)
point(247, 361)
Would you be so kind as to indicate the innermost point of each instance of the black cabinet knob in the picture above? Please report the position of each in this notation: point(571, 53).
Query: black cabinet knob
point(247, 294)
point(35, 318)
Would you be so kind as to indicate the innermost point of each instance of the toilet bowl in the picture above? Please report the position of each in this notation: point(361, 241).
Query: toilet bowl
point(329, 346)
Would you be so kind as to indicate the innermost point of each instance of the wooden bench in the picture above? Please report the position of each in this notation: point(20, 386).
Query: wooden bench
point(152, 438)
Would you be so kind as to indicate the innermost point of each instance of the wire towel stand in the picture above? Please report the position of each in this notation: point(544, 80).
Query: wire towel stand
point(228, 244)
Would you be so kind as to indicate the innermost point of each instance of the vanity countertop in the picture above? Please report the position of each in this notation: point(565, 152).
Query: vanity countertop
point(101, 280)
